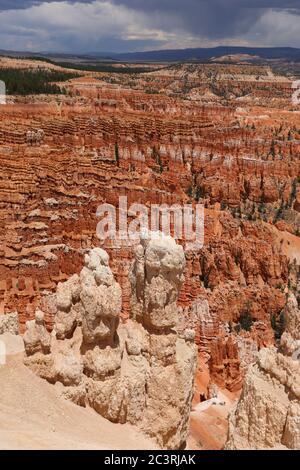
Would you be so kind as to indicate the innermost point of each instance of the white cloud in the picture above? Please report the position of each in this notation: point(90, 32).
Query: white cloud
point(276, 28)
point(68, 26)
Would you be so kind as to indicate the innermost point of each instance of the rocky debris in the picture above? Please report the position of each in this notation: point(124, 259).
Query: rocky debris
point(140, 372)
point(268, 412)
point(9, 323)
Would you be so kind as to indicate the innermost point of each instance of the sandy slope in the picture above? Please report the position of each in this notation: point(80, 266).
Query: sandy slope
point(209, 419)
point(289, 243)
point(209, 423)
point(33, 416)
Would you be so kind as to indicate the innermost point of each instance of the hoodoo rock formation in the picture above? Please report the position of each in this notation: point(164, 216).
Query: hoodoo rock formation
point(62, 156)
point(140, 372)
point(223, 135)
point(268, 413)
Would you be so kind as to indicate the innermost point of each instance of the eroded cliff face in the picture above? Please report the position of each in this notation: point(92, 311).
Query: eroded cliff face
point(185, 133)
point(141, 372)
point(268, 413)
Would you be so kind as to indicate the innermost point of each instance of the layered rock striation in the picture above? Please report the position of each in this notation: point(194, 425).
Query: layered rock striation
point(222, 135)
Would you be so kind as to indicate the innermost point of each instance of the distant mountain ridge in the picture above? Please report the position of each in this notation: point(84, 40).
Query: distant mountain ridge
point(172, 55)
point(288, 53)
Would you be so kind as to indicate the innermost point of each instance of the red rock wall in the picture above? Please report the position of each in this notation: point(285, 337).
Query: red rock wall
point(110, 141)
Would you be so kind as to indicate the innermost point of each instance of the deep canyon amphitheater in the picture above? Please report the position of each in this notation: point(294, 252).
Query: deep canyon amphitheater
point(108, 345)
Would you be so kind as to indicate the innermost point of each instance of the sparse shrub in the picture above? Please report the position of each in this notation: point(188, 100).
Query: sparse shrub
point(278, 325)
point(190, 191)
point(117, 155)
point(200, 193)
point(246, 321)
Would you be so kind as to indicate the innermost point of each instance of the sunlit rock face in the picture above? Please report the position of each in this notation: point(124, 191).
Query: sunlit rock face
point(141, 372)
point(223, 135)
point(268, 412)
point(63, 156)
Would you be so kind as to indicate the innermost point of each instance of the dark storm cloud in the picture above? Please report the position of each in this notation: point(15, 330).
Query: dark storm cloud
point(215, 18)
point(167, 5)
point(129, 24)
point(191, 6)
point(23, 4)
point(17, 4)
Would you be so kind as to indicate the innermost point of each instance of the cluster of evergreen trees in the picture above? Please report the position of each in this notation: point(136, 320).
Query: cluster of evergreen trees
point(106, 68)
point(32, 82)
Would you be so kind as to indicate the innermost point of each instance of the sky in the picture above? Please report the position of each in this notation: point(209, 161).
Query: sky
point(84, 26)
